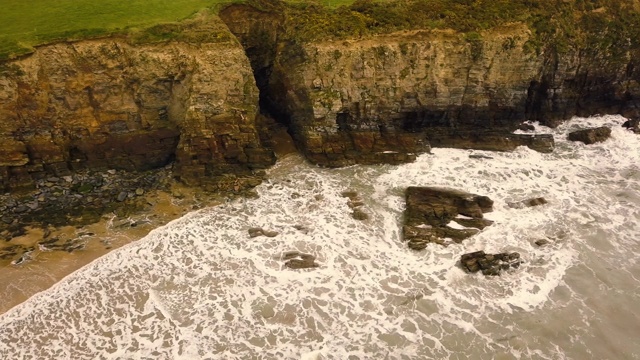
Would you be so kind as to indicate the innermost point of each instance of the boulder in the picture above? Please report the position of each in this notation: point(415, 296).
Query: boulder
point(298, 260)
point(489, 264)
point(591, 136)
point(434, 214)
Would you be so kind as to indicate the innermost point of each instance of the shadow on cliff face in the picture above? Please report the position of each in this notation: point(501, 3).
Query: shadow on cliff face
point(257, 27)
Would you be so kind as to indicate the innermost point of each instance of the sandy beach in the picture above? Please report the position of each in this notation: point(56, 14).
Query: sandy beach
point(53, 258)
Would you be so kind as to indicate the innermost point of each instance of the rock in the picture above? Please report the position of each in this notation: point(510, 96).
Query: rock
point(479, 156)
point(431, 215)
point(302, 228)
point(298, 260)
point(488, 140)
point(528, 203)
point(270, 233)
point(351, 194)
point(122, 196)
point(632, 125)
point(489, 264)
point(255, 232)
point(359, 214)
point(541, 242)
point(526, 127)
point(139, 191)
point(590, 136)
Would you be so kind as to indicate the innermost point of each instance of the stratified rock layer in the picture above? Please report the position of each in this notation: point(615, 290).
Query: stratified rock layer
point(110, 103)
point(430, 211)
point(384, 98)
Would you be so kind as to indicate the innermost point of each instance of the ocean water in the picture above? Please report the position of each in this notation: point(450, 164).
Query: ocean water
point(201, 288)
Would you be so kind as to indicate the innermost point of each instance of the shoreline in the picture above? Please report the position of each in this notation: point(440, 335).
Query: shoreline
point(77, 246)
point(165, 201)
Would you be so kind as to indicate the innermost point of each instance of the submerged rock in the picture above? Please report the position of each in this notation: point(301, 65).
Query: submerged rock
point(434, 214)
point(489, 264)
point(591, 136)
point(528, 203)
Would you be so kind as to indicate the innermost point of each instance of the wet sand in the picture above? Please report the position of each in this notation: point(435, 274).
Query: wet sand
point(43, 267)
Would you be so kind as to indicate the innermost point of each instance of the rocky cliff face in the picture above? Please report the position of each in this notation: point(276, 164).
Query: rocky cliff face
point(112, 103)
point(384, 98)
point(142, 101)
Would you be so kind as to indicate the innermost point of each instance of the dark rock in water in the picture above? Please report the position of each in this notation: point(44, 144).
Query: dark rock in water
point(590, 136)
point(479, 156)
point(430, 212)
point(526, 127)
point(351, 194)
point(359, 214)
point(255, 232)
point(489, 140)
point(489, 264)
point(298, 260)
point(541, 242)
point(528, 203)
point(632, 125)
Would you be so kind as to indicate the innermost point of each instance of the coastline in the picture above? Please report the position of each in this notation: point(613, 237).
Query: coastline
point(44, 267)
point(168, 201)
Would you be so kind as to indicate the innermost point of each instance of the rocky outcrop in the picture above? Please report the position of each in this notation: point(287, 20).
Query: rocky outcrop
point(489, 264)
point(124, 103)
point(590, 136)
point(433, 215)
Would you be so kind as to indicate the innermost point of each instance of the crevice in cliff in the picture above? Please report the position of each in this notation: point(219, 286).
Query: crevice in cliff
point(257, 29)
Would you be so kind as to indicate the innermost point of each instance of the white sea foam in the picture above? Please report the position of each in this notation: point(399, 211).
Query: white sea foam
point(201, 288)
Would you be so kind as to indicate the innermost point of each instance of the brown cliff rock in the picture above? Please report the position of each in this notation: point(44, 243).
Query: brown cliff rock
point(386, 97)
point(118, 103)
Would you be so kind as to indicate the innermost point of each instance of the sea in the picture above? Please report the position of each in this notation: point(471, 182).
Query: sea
point(201, 288)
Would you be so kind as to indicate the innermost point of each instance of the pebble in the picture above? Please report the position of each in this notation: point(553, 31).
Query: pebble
point(122, 196)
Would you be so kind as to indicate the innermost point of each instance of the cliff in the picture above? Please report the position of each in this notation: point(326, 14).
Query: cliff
point(351, 86)
point(351, 91)
point(134, 103)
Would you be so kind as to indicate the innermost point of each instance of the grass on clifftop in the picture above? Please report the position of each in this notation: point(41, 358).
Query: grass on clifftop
point(27, 23)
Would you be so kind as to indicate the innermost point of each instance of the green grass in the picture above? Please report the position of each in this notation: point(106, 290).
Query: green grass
point(24, 24)
point(27, 23)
